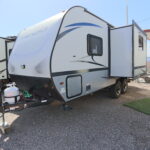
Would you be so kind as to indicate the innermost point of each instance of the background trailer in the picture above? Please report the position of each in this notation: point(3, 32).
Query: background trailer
point(6, 46)
point(148, 48)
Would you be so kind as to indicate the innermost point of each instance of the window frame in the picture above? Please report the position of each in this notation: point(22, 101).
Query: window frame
point(88, 45)
point(10, 51)
point(141, 37)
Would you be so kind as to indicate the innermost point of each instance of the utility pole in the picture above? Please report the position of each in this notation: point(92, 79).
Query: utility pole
point(126, 12)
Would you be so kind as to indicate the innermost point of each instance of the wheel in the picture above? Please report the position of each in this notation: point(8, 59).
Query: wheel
point(0, 99)
point(116, 90)
point(124, 86)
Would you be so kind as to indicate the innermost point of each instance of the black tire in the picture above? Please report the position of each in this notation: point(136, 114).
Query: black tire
point(0, 94)
point(0, 100)
point(116, 90)
point(124, 86)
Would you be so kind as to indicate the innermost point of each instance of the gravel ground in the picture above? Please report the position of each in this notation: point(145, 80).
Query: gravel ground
point(96, 122)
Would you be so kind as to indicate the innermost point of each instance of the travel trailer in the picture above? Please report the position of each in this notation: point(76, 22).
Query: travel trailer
point(75, 53)
point(6, 45)
point(69, 55)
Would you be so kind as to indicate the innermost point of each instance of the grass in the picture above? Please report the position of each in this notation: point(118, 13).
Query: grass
point(142, 105)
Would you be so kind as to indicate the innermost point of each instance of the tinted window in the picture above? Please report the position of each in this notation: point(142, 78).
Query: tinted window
point(95, 45)
point(10, 50)
point(141, 42)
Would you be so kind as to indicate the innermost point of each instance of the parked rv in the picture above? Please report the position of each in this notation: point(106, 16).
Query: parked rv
point(72, 54)
point(75, 53)
point(69, 55)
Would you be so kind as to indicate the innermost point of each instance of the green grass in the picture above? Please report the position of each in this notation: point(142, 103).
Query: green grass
point(142, 105)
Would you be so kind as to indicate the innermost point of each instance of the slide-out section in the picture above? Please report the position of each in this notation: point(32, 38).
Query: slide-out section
point(128, 52)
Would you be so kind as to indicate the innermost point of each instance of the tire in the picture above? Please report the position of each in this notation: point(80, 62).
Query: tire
point(124, 86)
point(0, 93)
point(0, 100)
point(116, 90)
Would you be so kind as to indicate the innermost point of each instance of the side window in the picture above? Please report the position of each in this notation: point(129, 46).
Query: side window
point(141, 42)
point(94, 45)
point(10, 50)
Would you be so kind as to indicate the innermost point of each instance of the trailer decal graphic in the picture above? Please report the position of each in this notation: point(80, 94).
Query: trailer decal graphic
point(54, 74)
point(83, 24)
point(65, 32)
point(138, 67)
point(2, 71)
point(2, 60)
point(76, 26)
point(90, 62)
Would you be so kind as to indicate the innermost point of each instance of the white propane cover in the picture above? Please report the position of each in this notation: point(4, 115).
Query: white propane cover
point(10, 93)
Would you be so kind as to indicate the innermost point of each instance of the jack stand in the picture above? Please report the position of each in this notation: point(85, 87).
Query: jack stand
point(4, 126)
point(66, 107)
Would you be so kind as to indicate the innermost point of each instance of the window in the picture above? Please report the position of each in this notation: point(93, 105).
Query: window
point(141, 44)
point(94, 45)
point(10, 50)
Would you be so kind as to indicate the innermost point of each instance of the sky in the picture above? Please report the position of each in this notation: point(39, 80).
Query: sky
point(15, 15)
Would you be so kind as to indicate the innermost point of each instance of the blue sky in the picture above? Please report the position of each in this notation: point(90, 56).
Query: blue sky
point(16, 15)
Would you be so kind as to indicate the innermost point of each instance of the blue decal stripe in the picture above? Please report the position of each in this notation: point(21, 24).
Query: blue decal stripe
point(90, 62)
point(83, 24)
point(66, 32)
point(76, 26)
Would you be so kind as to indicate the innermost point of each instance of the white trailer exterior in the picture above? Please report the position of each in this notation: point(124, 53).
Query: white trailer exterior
point(6, 46)
point(66, 56)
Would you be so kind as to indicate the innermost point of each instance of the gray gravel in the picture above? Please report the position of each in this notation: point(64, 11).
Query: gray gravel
point(96, 122)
